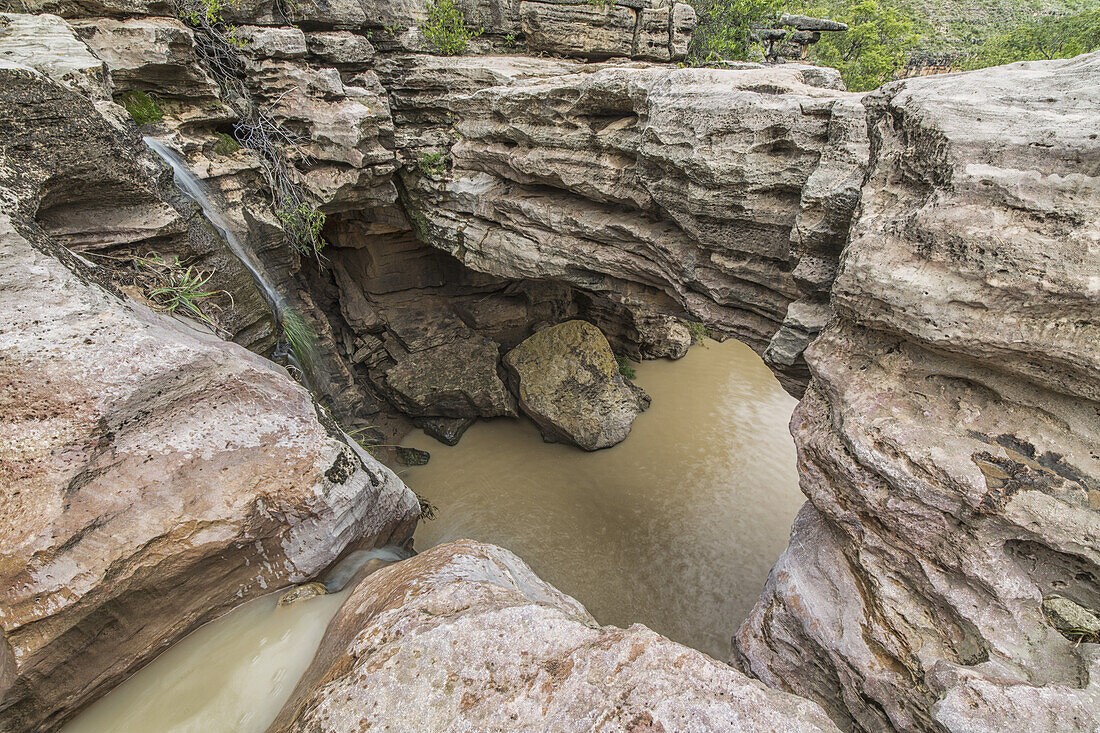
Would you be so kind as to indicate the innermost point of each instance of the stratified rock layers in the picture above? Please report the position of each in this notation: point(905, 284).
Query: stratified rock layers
point(948, 440)
point(464, 637)
point(718, 196)
point(152, 476)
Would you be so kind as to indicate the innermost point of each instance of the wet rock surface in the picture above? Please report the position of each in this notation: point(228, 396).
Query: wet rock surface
point(568, 382)
point(510, 652)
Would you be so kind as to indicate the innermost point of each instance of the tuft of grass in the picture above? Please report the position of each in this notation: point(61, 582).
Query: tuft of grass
point(302, 341)
point(171, 287)
point(699, 332)
point(624, 367)
point(142, 107)
point(432, 164)
point(446, 28)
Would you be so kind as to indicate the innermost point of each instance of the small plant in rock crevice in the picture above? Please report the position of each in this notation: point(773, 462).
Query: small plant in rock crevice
point(142, 107)
point(432, 164)
point(173, 288)
point(624, 367)
point(699, 332)
point(446, 28)
point(304, 224)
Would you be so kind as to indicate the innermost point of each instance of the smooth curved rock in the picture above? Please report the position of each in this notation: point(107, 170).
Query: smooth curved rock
point(153, 477)
point(464, 637)
point(568, 382)
point(948, 439)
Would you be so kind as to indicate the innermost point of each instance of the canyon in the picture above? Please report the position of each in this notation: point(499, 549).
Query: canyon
point(919, 265)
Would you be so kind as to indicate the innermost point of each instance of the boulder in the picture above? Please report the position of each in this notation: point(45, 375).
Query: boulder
point(455, 379)
point(568, 382)
point(152, 477)
point(466, 637)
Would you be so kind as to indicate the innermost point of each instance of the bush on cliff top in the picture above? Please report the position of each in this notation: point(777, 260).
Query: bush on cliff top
point(446, 28)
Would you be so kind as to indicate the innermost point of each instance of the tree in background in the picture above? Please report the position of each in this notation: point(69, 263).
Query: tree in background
point(1042, 37)
point(724, 27)
point(876, 44)
point(868, 54)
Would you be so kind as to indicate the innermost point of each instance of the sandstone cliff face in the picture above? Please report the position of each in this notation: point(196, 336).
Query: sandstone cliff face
point(465, 637)
point(948, 440)
point(152, 475)
point(719, 196)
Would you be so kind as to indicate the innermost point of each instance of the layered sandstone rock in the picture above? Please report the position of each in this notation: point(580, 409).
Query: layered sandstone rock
point(722, 196)
point(152, 475)
point(466, 637)
point(948, 439)
point(568, 382)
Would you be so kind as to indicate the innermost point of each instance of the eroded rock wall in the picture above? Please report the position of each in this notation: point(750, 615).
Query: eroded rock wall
point(948, 440)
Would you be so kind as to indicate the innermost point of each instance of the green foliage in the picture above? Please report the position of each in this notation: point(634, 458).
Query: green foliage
point(724, 26)
point(432, 164)
point(142, 107)
point(699, 332)
point(171, 287)
point(304, 224)
point(446, 28)
point(883, 34)
point(875, 46)
point(1042, 37)
point(601, 3)
point(624, 367)
point(302, 341)
point(225, 145)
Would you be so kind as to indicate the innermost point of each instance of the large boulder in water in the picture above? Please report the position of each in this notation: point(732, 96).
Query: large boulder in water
point(569, 383)
point(466, 637)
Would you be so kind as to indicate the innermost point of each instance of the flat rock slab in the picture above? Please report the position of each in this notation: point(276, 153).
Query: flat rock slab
point(465, 637)
point(568, 382)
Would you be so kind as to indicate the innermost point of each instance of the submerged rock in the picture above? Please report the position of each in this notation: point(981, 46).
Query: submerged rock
point(302, 592)
point(412, 456)
point(569, 383)
point(466, 637)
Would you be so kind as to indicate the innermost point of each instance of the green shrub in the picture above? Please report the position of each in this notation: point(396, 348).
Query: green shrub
point(446, 28)
point(142, 107)
point(304, 224)
point(624, 367)
point(432, 164)
point(699, 332)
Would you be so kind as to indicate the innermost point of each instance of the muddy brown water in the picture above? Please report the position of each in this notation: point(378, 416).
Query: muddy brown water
point(675, 528)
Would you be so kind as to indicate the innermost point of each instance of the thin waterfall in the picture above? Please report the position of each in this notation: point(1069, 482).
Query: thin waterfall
point(303, 350)
point(303, 353)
